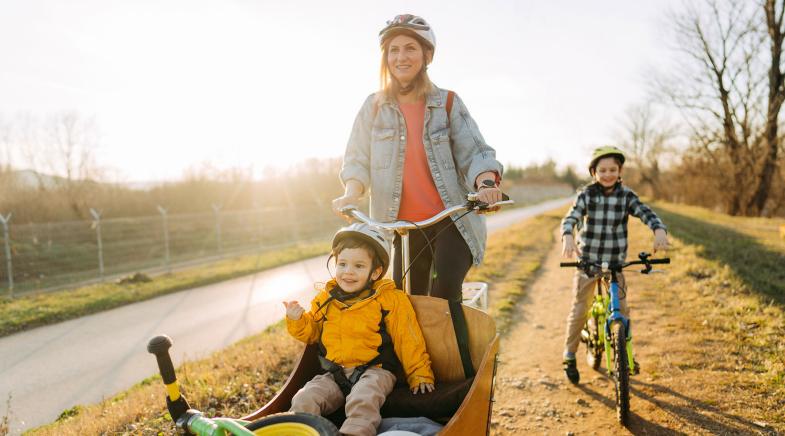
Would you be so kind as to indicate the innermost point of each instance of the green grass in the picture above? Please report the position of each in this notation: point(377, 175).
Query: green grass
point(750, 247)
point(34, 311)
point(726, 283)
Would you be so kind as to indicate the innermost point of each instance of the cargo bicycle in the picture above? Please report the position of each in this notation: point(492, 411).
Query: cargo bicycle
point(464, 364)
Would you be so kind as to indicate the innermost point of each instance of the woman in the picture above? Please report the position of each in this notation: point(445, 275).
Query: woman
point(414, 159)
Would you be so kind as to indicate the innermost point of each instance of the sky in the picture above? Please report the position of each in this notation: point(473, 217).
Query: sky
point(175, 84)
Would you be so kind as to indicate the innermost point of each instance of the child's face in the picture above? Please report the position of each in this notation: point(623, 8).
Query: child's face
point(352, 269)
point(607, 172)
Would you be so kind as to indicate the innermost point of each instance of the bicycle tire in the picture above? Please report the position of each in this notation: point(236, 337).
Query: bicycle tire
point(594, 348)
point(621, 369)
point(293, 424)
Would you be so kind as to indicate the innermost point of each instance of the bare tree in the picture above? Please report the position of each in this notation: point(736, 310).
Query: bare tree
point(721, 89)
point(774, 11)
point(72, 141)
point(60, 151)
point(647, 138)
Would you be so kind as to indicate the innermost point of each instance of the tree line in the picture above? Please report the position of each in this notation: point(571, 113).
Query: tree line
point(726, 84)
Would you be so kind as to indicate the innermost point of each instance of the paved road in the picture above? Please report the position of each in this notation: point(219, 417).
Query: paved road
point(50, 369)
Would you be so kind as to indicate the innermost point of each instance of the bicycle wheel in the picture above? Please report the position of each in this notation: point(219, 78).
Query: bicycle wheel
point(594, 348)
point(293, 424)
point(621, 369)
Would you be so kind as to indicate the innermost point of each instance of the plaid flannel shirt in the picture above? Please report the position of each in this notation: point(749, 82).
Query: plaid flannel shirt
point(602, 221)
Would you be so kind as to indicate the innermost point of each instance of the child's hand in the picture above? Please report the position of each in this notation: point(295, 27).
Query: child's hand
point(293, 310)
point(660, 240)
point(423, 387)
point(568, 247)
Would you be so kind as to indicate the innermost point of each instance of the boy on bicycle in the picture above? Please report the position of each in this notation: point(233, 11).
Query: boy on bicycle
point(601, 211)
point(366, 330)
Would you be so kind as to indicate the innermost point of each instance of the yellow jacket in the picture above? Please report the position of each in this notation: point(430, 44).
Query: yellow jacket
point(350, 333)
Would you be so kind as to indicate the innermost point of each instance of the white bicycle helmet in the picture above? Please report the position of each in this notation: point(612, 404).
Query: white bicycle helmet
point(416, 24)
point(374, 236)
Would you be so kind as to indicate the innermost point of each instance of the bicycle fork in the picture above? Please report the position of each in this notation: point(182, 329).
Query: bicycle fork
point(613, 316)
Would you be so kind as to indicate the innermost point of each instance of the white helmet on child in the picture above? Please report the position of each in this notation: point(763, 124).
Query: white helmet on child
point(372, 235)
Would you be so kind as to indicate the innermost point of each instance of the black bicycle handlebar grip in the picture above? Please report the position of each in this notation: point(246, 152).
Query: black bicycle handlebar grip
point(663, 260)
point(564, 264)
point(159, 346)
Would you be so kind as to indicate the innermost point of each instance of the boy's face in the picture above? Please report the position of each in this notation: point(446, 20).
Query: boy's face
point(352, 269)
point(607, 172)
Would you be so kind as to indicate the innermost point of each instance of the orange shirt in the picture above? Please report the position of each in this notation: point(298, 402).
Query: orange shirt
point(420, 199)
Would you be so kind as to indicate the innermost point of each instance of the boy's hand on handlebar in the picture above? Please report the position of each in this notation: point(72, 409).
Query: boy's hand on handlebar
point(293, 310)
point(423, 388)
point(661, 240)
point(569, 249)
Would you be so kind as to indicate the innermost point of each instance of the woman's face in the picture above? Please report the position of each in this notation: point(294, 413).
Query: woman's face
point(405, 58)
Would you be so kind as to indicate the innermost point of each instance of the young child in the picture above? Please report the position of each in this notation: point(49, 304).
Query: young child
point(600, 212)
point(366, 330)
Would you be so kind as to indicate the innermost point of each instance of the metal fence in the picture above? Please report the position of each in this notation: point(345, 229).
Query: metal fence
point(46, 256)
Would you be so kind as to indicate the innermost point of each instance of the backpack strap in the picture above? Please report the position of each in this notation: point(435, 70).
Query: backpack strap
point(450, 98)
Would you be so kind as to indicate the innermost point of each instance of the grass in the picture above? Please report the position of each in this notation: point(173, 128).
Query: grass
point(245, 376)
point(724, 300)
point(34, 311)
point(228, 383)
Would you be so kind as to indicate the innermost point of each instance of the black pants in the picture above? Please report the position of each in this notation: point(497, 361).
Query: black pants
point(451, 259)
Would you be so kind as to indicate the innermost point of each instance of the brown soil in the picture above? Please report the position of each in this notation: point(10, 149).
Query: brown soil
point(534, 396)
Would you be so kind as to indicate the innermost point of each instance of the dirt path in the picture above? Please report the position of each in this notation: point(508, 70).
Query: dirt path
point(534, 396)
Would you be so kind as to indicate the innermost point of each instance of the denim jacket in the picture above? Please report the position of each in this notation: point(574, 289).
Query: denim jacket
point(456, 156)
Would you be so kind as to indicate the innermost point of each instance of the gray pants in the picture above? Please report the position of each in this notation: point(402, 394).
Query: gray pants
point(322, 396)
point(583, 291)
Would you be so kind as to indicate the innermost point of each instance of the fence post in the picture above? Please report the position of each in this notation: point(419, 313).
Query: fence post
point(5, 220)
point(217, 210)
point(97, 225)
point(166, 238)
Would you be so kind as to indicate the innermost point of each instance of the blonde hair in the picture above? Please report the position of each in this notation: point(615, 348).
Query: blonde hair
point(389, 84)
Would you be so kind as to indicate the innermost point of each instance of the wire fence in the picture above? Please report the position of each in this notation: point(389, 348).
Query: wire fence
point(46, 256)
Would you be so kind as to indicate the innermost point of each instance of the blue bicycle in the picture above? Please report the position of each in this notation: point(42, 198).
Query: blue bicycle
point(615, 339)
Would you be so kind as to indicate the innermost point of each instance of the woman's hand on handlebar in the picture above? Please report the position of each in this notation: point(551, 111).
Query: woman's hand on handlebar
point(568, 247)
point(343, 201)
point(351, 197)
point(489, 196)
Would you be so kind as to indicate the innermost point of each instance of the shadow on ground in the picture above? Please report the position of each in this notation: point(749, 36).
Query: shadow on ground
point(759, 266)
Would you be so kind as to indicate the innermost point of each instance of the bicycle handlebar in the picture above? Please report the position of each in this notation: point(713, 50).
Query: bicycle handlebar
point(644, 260)
point(176, 403)
point(471, 204)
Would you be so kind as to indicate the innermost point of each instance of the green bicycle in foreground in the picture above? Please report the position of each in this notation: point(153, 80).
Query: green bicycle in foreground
point(615, 339)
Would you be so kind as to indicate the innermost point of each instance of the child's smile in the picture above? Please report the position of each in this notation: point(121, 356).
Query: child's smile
point(353, 269)
point(607, 172)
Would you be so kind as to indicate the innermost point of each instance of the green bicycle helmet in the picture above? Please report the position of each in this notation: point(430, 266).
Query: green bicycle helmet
point(605, 151)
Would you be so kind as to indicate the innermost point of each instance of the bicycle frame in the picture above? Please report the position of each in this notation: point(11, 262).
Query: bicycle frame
point(609, 311)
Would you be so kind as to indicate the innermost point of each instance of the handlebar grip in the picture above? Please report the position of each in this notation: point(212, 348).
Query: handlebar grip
point(663, 260)
point(159, 346)
point(567, 264)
